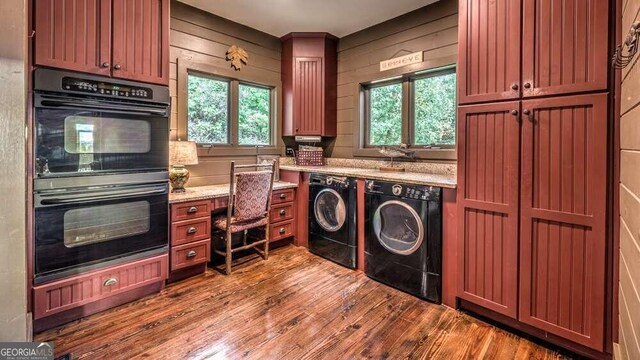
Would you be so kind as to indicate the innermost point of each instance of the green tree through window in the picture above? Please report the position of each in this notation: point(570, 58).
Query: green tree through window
point(435, 110)
point(254, 115)
point(208, 110)
point(385, 124)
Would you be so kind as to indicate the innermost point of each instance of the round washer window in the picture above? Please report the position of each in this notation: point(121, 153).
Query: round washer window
point(398, 227)
point(330, 210)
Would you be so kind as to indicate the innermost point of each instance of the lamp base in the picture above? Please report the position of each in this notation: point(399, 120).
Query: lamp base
point(178, 177)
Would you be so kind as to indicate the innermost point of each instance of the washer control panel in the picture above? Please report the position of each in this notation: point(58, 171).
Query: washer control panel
point(407, 191)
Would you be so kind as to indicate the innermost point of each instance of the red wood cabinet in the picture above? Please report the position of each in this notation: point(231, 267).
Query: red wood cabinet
point(564, 46)
point(563, 202)
point(128, 39)
point(488, 163)
point(141, 40)
point(488, 50)
point(309, 83)
point(74, 35)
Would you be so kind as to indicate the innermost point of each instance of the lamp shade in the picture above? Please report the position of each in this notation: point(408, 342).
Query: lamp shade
point(183, 153)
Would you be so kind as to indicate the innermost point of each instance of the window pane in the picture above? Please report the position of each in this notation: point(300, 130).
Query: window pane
point(254, 115)
point(435, 110)
point(385, 121)
point(208, 110)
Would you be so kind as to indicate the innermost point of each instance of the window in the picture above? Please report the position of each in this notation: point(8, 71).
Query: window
point(227, 112)
point(418, 110)
point(254, 115)
point(208, 110)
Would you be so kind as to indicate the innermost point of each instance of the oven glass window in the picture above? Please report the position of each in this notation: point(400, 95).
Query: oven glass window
point(104, 135)
point(330, 210)
point(398, 227)
point(105, 222)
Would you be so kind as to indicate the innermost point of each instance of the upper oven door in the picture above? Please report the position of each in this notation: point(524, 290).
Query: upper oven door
point(81, 136)
point(78, 228)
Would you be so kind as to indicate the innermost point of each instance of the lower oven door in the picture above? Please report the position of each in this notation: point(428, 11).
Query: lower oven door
point(80, 229)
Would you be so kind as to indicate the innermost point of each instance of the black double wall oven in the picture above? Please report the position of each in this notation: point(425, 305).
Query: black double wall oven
point(101, 156)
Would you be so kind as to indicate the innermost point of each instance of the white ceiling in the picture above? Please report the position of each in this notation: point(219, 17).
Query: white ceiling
point(280, 17)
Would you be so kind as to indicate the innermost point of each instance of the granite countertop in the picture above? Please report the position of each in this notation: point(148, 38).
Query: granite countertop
point(215, 191)
point(441, 180)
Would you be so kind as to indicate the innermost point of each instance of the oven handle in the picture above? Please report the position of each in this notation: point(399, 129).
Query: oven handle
point(69, 199)
point(103, 107)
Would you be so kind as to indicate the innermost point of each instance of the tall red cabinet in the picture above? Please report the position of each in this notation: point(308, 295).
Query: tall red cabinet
point(532, 164)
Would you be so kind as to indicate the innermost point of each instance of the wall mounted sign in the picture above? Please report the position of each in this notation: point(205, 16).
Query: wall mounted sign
point(401, 61)
point(237, 56)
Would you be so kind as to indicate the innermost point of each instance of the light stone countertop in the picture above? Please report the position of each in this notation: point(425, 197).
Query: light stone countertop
point(440, 180)
point(215, 191)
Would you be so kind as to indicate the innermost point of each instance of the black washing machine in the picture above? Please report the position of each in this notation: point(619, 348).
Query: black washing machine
point(332, 218)
point(403, 237)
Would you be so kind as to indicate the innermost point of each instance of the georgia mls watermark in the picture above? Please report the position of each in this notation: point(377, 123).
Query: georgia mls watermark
point(26, 351)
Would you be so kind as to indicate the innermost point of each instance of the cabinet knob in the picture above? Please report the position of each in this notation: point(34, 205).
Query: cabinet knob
point(110, 281)
point(514, 112)
point(117, 67)
point(526, 112)
point(191, 254)
point(282, 230)
point(192, 210)
point(192, 230)
point(283, 196)
point(282, 212)
point(514, 86)
point(105, 65)
point(527, 85)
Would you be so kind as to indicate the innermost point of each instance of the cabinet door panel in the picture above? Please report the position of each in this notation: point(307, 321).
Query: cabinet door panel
point(308, 96)
point(562, 249)
point(73, 35)
point(488, 164)
point(489, 50)
point(141, 40)
point(564, 47)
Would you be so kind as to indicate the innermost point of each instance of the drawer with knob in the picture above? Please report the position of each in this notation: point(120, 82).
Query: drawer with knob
point(184, 232)
point(190, 210)
point(281, 212)
point(282, 196)
point(281, 230)
point(190, 254)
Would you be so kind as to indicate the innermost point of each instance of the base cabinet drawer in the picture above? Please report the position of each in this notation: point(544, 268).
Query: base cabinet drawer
point(282, 196)
point(189, 231)
point(281, 230)
point(190, 254)
point(281, 212)
point(190, 210)
point(69, 293)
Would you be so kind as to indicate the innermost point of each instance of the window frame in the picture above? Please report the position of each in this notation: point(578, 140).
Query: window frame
point(362, 145)
point(179, 122)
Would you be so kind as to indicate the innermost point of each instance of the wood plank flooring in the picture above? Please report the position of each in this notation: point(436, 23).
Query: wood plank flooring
point(293, 306)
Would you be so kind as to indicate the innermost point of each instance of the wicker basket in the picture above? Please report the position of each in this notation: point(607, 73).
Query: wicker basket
point(309, 158)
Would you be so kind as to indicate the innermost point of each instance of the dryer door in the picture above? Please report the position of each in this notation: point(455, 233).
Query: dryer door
point(398, 227)
point(330, 210)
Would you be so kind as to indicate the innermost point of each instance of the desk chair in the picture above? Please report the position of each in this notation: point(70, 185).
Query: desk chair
point(249, 208)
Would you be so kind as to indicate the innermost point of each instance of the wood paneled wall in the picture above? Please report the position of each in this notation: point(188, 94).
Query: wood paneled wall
point(629, 293)
point(432, 29)
point(201, 37)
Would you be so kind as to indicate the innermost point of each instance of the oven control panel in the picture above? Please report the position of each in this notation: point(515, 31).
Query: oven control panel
point(106, 88)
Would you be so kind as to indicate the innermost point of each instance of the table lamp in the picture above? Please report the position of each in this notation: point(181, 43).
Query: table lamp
point(181, 153)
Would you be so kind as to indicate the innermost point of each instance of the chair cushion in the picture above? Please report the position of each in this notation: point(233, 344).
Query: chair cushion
point(251, 194)
point(221, 223)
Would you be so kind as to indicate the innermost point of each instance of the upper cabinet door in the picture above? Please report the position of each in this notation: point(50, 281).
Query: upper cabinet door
point(488, 165)
point(308, 96)
point(141, 40)
point(73, 35)
point(564, 47)
point(563, 221)
point(489, 50)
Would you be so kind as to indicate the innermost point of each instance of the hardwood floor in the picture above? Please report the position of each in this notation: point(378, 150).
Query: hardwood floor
point(295, 305)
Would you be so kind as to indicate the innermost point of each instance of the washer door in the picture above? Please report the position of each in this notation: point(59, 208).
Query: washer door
point(330, 210)
point(398, 227)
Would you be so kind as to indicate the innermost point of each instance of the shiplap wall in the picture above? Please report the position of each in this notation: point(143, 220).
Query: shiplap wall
point(432, 29)
point(204, 38)
point(629, 295)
